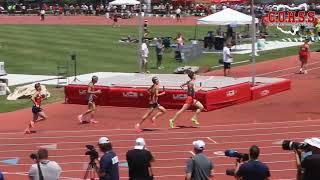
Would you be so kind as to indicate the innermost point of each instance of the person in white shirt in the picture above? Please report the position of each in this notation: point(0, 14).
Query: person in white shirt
point(50, 170)
point(227, 59)
point(42, 13)
point(144, 56)
point(178, 14)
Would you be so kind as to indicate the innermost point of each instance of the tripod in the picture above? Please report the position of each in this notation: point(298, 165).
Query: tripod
point(74, 58)
point(91, 170)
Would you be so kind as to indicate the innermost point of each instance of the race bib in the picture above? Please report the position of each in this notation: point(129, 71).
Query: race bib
point(115, 160)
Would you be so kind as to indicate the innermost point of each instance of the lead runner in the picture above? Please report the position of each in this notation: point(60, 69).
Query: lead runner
point(154, 104)
point(190, 101)
point(91, 102)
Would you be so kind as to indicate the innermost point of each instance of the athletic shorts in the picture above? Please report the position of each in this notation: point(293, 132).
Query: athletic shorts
point(190, 100)
point(226, 65)
point(36, 110)
point(154, 105)
point(303, 59)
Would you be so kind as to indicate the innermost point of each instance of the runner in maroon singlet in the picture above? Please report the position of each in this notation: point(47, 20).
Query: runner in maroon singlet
point(304, 55)
point(154, 104)
point(190, 101)
point(36, 108)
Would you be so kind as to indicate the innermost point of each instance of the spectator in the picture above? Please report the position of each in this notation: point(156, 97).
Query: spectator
point(109, 162)
point(159, 51)
point(144, 56)
point(50, 169)
point(178, 14)
point(227, 59)
point(199, 167)
point(253, 169)
point(1, 176)
point(42, 14)
point(139, 161)
point(308, 162)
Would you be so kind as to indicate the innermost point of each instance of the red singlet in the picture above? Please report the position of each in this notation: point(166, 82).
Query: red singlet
point(304, 50)
point(38, 100)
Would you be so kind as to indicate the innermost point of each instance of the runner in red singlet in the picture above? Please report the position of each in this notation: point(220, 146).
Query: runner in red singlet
point(36, 108)
point(304, 55)
point(154, 104)
point(92, 95)
point(190, 101)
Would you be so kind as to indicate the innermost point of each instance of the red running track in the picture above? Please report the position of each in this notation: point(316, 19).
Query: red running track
point(290, 115)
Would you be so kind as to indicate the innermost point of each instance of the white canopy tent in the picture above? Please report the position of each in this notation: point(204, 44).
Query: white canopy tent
point(124, 2)
point(227, 17)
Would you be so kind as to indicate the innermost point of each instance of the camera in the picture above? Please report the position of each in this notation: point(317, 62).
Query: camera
point(291, 145)
point(236, 154)
point(92, 152)
point(239, 156)
point(34, 156)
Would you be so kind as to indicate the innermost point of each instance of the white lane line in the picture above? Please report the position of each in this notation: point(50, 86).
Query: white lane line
point(166, 139)
point(271, 72)
point(191, 152)
point(210, 139)
point(179, 132)
point(221, 125)
point(311, 69)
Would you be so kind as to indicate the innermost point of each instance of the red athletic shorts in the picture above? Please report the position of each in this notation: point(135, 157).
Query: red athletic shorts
point(190, 100)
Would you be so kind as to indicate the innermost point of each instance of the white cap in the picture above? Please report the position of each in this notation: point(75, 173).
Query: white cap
point(140, 143)
point(104, 140)
point(199, 144)
point(313, 142)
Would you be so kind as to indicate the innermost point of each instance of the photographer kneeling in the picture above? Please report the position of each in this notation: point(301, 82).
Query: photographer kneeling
point(252, 169)
point(109, 162)
point(308, 160)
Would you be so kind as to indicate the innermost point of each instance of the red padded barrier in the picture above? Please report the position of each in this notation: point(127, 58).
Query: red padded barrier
point(77, 94)
point(228, 96)
point(128, 97)
point(174, 98)
point(264, 90)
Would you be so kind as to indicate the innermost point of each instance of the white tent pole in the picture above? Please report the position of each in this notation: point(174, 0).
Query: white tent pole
point(253, 62)
point(140, 24)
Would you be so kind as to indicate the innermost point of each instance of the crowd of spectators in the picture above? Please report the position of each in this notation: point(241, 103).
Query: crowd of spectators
point(160, 9)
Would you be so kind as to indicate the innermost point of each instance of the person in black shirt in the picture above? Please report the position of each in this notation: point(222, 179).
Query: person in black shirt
point(308, 162)
point(139, 162)
point(253, 169)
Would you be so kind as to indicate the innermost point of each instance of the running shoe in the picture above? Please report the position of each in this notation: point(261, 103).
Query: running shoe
point(195, 121)
point(92, 121)
point(171, 123)
point(80, 118)
point(305, 72)
point(27, 131)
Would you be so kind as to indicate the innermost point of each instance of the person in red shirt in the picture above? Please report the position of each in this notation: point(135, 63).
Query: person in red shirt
point(304, 55)
point(37, 111)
